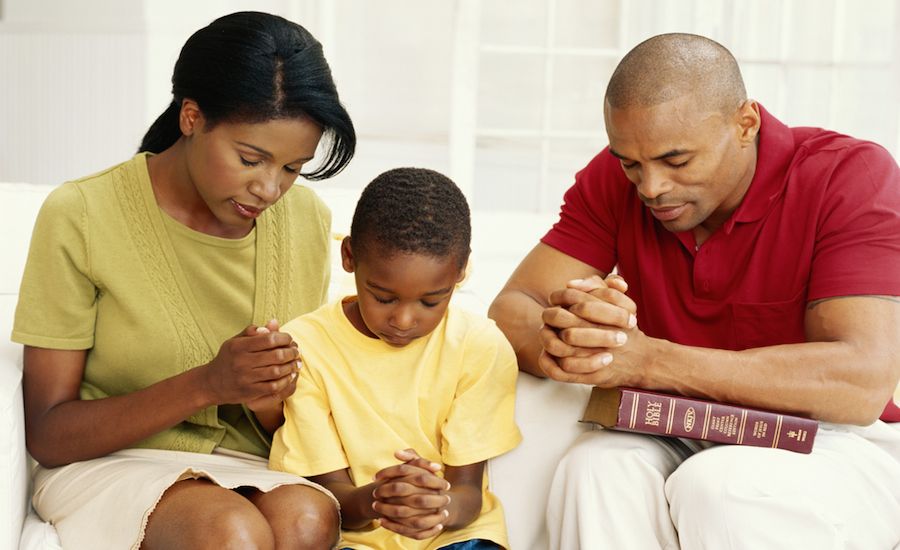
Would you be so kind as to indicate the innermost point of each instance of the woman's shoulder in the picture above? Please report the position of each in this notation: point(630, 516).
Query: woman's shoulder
point(94, 191)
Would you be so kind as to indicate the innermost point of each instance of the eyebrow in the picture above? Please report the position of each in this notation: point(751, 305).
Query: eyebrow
point(262, 151)
point(667, 154)
point(389, 291)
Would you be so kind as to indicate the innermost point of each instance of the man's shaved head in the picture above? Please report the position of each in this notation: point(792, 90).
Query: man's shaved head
point(668, 66)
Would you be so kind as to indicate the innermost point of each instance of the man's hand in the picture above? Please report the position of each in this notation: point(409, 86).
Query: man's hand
point(590, 334)
point(411, 499)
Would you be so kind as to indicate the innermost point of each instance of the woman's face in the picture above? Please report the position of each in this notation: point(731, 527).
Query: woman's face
point(240, 169)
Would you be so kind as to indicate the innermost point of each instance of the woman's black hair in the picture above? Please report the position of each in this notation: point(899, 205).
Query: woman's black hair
point(256, 67)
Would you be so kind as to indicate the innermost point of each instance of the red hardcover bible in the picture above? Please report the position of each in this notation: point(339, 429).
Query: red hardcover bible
point(662, 414)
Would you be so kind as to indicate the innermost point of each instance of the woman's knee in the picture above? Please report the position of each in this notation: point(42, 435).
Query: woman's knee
point(196, 514)
point(305, 516)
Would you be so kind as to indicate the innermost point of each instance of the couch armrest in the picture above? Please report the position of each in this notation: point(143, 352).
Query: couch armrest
point(547, 413)
point(13, 461)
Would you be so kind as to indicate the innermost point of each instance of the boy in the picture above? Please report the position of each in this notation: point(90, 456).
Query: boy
point(403, 399)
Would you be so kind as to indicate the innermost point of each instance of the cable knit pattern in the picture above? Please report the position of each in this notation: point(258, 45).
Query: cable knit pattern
point(193, 350)
point(276, 263)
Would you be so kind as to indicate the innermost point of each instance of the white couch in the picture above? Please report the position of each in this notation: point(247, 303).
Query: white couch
point(547, 412)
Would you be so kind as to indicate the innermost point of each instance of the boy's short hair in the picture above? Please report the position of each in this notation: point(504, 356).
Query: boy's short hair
point(412, 210)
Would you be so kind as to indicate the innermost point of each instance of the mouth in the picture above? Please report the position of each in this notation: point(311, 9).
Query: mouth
point(397, 340)
point(245, 210)
point(667, 214)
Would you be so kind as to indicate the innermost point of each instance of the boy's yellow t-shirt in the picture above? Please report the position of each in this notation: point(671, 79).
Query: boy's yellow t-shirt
point(449, 395)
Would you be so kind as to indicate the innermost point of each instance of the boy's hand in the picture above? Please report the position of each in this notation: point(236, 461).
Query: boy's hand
point(410, 497)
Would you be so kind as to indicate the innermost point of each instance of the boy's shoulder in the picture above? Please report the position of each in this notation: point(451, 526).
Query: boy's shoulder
point(473, 328)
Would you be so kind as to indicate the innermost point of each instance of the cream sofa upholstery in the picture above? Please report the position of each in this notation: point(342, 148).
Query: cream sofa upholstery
point(547, 412)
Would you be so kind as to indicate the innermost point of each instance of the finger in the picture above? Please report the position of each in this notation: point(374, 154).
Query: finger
point(552, 343)
point(596, 337)
point(411, 506)
point(560, 317)
point(580, 370)
point(260, 341)
point(411, 532)
point(405, 486)
point(286, 359)
point(616, 281)
point(588, 283)
point(402, 470)
point(410, 456)
point(610, 296)
point(566, 297)
point(272, 325)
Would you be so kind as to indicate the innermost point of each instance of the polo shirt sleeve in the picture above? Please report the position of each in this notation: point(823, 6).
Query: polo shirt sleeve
point(57, 304)
point(481, 422)
point(857, 248)
point(591, 213)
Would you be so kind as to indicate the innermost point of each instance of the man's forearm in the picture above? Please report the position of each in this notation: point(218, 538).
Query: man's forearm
point(519, 317)
point(814, 379)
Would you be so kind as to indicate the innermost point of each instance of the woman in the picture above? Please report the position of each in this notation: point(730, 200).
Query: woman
point(153, 374)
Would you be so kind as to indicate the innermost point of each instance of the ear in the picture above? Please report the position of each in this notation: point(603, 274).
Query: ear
point(190, 118)
point(464, 272)
point(347, 255)
point(748, 121)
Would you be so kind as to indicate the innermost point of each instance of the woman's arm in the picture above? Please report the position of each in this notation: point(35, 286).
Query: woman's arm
point(61, 428)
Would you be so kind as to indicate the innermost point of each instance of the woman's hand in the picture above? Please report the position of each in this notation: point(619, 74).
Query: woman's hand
point(257, 367)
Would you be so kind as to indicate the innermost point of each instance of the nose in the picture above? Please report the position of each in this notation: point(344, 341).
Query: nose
point(403, 318)
point(652, 183)
point(266, 187)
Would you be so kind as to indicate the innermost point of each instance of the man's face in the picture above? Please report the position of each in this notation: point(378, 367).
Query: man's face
point(691, 165)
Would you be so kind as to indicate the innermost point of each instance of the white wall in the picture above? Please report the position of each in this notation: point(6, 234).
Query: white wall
point(81, 81)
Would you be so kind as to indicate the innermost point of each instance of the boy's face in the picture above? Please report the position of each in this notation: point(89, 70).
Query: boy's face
point(402, 296)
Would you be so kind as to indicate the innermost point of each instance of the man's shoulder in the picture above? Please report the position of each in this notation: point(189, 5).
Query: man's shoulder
point(819, 143)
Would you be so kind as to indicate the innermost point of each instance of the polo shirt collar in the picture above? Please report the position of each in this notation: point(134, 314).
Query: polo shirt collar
point(773, 157)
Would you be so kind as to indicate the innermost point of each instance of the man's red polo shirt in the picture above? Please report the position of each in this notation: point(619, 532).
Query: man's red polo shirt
point(821, 218)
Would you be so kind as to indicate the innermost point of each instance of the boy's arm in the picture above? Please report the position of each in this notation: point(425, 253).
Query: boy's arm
point(356, 502)
point(465, 494)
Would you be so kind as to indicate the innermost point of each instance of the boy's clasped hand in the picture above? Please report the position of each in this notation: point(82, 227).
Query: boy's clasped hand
point(411, 498)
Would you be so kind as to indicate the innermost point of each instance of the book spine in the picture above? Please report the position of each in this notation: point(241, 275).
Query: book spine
point(653, 413)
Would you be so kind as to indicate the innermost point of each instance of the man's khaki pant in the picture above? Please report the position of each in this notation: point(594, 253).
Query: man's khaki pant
point(616, 490)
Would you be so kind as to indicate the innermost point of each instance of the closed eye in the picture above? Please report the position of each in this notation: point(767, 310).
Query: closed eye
point(295, 171)
point(250, 163)
point(383, 300)
point(430, 304)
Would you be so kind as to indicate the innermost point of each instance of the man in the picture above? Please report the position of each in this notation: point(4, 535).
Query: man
point(757, 264)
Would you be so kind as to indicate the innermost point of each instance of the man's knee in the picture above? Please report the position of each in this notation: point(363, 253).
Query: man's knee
point(610, 455)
